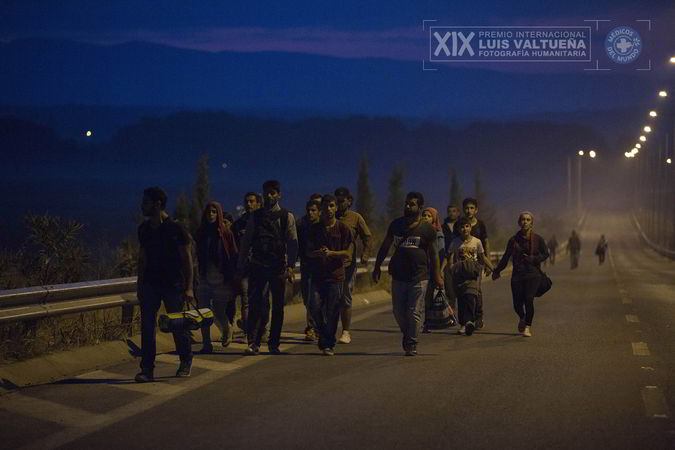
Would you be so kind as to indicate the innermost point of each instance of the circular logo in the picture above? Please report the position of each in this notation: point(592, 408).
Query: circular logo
point(623, 45)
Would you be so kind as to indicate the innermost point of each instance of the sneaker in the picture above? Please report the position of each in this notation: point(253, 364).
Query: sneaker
point(274, 350)
point(310, 334)
point(184, 369)
point(461, 330)
point(527, 332)
point(328, 352)
point(345, 338)
point(207, 348)
point(480, 324)
point(411, 352)
point(144, 377)
point(251, 350)
point(468, 328)
point(521, 326)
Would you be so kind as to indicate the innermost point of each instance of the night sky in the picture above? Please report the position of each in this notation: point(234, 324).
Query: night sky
point(300, 59)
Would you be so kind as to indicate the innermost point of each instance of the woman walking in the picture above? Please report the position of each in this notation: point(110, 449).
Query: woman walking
point(527, 251)
point(217, 259)
point(430, 215)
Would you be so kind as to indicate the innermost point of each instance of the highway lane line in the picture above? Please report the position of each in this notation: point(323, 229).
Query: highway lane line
point(640, 349)
point(632, 318)
point(655, 403)
point(49, 411)
point(92, 423)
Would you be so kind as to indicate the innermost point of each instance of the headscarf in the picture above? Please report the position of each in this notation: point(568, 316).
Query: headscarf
point(435, 222)
point(223, 234)
point(528, 213)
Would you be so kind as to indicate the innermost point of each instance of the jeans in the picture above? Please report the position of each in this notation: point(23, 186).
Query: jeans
point(305, 283)
point(150, 298)
point(219, 298)
point(408, 304)
point(348, 286)
point(324, 301)
point(261, 280)
point(243, 299)
point(523, 291)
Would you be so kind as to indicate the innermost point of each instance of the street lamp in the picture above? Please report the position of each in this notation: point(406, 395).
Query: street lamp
point(581, 153)
point(669, 161)
point(643, 139)
point(638, 145)
point(592, 154)
point(653, 114)
point(663, 94)
point(672, 59)
point(647, 129)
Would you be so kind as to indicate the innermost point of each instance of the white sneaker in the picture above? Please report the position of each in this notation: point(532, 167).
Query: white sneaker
point(527, 332)
point(345, 338)
point(461, 330)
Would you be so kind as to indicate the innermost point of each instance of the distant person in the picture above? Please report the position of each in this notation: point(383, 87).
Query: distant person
point(574, 249)
point(478, 230)
point(449, 224)
point(527, 250)
point(601, 249)
point(552, 248)
point(313, 209)
point(414, 243)
point(329, 243)
point(164, 275)
point(360, 230)
point(217, 261)
point(252, 201)
point(272, 240)
point(465, 255)
point(228, 219)
point(316, 197)
point(430, 215)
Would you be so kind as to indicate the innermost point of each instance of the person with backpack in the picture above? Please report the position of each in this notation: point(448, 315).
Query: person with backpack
point(272, 240)
point(527, 250)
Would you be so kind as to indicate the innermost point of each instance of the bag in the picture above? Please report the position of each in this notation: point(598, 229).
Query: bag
point(190, 319)
point(268, 246)
point(440, 315)
point(545, 284)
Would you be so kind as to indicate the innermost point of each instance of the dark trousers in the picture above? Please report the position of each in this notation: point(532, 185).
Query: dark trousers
point(601, 257)
point(466, 305)
point(305, 284)
point(325, 301)
point(523, 291)
point(150, 298)
point(259, 281)
point(574, 260)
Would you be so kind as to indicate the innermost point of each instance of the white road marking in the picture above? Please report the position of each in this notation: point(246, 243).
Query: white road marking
point(640, 349)
point(632, 318)
point(655, 403)
point(49, 411)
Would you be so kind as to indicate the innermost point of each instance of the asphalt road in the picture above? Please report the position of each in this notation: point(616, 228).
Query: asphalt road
point(599, 372)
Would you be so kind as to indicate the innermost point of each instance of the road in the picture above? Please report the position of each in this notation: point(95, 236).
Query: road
point(599, 372)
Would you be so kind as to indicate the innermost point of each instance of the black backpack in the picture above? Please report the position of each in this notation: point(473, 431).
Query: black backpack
point(268, 246)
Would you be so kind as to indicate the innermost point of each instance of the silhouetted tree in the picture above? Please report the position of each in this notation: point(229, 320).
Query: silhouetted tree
point(395, 197)
point(182, 212)
point(365, 198)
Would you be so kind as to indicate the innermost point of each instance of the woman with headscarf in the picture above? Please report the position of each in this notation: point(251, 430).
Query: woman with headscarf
point(431, 215)
point(217, 259)
point(527, 251)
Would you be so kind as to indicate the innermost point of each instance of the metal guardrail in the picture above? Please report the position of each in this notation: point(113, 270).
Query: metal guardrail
point(653, 245)
point(49, 301)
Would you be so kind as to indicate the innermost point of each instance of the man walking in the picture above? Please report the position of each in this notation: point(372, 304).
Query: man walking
point(574, 249)
point(414, 243)
point(313, 209)
point(272, 240)
point(552, 247)
point(359, 228)
point(164, 275)
point(252, 201)
point(329, 244)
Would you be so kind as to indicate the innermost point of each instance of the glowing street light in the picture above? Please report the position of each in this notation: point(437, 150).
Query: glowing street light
point(88, 133)
point(581, 153)
point(669, 161)
point(647, 129)
point(638, 145)
point(653, 114)
point(643, 139)
point(672, 59)
point(663, 94)
point(592, 154)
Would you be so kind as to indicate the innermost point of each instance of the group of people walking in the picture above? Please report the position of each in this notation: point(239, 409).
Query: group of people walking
point(253, 257)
